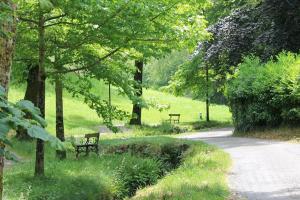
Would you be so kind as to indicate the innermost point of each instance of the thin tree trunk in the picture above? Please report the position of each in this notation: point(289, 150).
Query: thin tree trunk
point(30, 95)
point(109, 101)
point(207, 94)
point(39, 162)
point(7, 45)
point(136, 118)
point(60, 134)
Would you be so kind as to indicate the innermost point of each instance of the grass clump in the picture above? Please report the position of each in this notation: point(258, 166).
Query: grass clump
point(132, 175)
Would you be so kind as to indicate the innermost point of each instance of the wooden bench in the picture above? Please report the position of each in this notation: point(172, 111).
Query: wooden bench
point(175, 118)
point(91, 144)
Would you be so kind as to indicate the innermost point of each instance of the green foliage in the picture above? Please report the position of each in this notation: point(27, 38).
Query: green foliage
point(222, 8)
point(165, 128)
point(133, 174)
point(158, 72)
point(266, 95)
point(191, 79)
point(211, 124)
point(111, 33)
point(23, 114)
point(6, 13)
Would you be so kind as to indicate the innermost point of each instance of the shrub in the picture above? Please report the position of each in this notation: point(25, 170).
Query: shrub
point(162, 129)
point(170, 154)
point(134, 173)
point(266, 94)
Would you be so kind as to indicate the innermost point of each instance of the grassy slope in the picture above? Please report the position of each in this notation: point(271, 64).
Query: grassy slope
point(79, 118)
point(202, 174)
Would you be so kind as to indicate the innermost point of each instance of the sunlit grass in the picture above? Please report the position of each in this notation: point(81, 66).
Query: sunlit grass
point(79, 118)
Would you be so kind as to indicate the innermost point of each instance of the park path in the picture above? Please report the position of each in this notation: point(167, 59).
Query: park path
point(262, 169)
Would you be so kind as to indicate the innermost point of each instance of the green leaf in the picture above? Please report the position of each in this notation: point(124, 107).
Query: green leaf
point(2, 91)
point(29, 108)
point(45, 4)
point(15, 111)
point(3, 105)
point(10, 156)
point(4, 127)
point(38, 132)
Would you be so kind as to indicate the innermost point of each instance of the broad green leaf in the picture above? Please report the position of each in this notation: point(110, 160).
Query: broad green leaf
point(15, 111)
point(28, 106)
point(21, 122)
point(35, 113)
point(38, 132)
point(3, 105)
point(4, 127)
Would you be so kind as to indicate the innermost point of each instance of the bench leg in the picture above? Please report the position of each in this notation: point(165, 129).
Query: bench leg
point(77, 153)
point(97, 150)
point(86, 151)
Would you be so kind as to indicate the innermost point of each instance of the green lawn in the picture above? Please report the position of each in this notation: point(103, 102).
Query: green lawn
point(123, 164)
point(79, 118)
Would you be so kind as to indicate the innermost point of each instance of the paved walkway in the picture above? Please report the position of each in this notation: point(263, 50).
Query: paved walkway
point(262, 169)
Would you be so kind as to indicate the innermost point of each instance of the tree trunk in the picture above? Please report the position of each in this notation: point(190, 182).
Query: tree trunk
point(7, 44)
point(207, 110)
point(136, 118)
point(39, 160)
point(109, 102)
point(207, 94)
point(60, 134)
point(30, 95)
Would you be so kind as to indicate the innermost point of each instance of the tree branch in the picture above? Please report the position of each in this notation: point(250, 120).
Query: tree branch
point(66, 23)
point(55, 17)
point(87, 67)
point(159, 14)
point(28, 20)
point(153, 40)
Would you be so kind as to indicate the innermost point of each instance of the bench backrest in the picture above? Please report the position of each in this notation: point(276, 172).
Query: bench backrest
point(174, 115)
point(92, 138)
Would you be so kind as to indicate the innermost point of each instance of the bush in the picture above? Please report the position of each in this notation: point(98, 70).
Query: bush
point(266, 94)
point(162, 129)
point(133, 174)
point(211, 124)
point(170, 154)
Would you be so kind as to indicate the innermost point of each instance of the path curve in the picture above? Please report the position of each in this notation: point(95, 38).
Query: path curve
point(262, 169)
